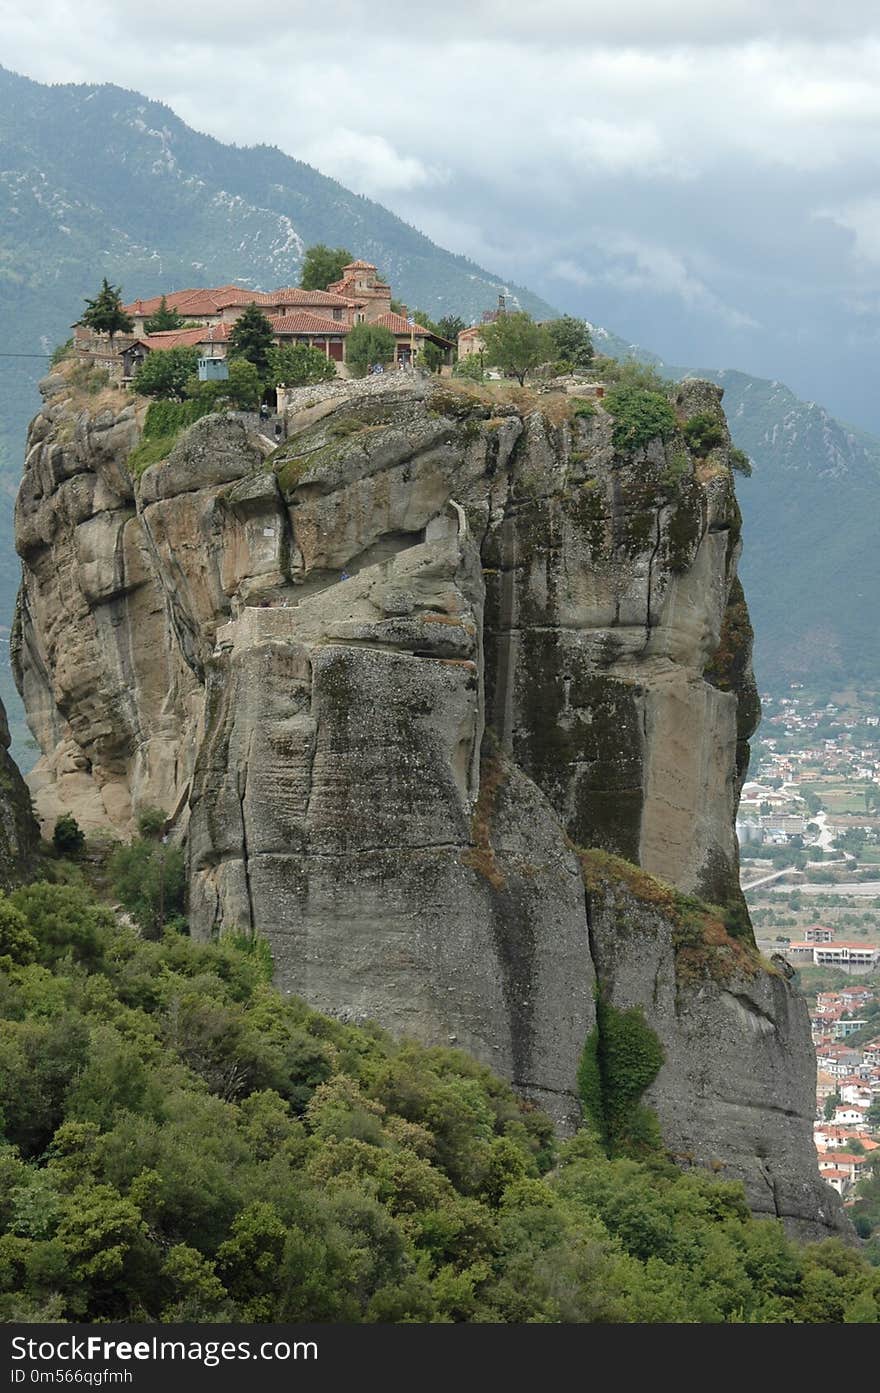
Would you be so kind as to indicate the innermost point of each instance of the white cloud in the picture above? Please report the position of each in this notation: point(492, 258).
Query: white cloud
point(862, 219)
point(367, 163)
point(640, 267)
point(617, 147)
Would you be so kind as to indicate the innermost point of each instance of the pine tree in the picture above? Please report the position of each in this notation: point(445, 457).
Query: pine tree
point(450, 326)
point(252, 337)
point(163, 319)
point(105, 314)
point(572, 341)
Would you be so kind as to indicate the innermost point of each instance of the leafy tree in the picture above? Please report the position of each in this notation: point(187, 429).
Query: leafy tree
point(166, 372)
point(149, 879)
point(179, 1142)
point(17, 943)
point(621, 1058)
point(163, 319)
point(640, 416)
point(367, 344)
point(832, 1102)
point(517, 345)
point(66, 923)
point(299, 364)
point(252, 337)
point(322, 266)
point(449, 326)
point(68, 837)
point(470, 367)
point(571, 340)
point(242, 389)
point(422, 317)
point(105, 313)
point(432, 356)
point(244, 386)
point(630, 372)
point(151, 823)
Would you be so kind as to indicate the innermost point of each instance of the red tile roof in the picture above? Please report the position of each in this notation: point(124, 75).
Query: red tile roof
point(196, 302)
point(398, 324)
point(303, 323)
point(186, 338)
point(215, 300)
point(295, 295)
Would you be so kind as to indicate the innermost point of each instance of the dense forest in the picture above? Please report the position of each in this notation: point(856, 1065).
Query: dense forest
point(179, 1142)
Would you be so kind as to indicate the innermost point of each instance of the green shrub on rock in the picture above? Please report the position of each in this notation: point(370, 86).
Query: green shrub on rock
point(640, 416)
point(68, 837)
point(703, 432)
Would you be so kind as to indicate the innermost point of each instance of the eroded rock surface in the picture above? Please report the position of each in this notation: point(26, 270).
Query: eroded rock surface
point(387, 680)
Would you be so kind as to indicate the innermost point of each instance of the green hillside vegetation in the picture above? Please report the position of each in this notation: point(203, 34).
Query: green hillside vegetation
point(179, 1142)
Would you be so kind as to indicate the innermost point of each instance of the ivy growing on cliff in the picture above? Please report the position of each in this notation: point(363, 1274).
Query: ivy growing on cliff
point(621, 1057)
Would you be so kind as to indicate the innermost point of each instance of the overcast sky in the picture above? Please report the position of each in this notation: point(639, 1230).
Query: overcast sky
point(702, 178)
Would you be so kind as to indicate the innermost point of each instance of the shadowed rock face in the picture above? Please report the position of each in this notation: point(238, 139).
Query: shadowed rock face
point(19, 832)
point(387, 682)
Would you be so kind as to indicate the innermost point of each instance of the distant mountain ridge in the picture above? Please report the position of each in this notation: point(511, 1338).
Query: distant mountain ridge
point(96, 180)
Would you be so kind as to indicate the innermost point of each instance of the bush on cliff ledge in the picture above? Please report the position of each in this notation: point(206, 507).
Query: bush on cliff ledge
point(640, 416)
point(179, 1142)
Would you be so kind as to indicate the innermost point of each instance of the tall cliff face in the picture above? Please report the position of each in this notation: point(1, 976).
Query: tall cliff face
point(391, 681)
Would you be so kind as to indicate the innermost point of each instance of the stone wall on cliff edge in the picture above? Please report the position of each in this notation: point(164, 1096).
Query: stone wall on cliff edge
point(388, 681)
